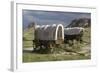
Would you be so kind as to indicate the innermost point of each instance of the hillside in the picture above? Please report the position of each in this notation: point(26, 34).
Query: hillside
point(82, 22)
point(28, 37)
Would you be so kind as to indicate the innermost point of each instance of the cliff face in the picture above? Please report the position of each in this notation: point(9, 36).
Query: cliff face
point(82, 22)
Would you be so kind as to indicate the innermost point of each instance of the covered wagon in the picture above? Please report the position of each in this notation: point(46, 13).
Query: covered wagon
point(73, 33)
point(48, 35)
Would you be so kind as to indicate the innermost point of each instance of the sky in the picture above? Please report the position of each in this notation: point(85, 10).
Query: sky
point(51, 17)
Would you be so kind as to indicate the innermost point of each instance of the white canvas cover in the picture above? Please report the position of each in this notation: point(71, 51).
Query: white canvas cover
point(49, 32)
point(73, 30)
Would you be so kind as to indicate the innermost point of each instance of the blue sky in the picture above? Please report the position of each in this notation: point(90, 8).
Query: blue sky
point(51, 17)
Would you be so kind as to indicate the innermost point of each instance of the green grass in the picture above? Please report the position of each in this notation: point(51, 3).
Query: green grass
point(87, 35)
point(32, 57)
point(28, 34)
point(57, 51)
point(27, 44)
point(28, 37)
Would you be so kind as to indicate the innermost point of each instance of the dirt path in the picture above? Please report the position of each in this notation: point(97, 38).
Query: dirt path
point(28, 49)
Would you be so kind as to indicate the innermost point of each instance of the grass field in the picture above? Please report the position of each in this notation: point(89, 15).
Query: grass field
point(32, 57)
point(64, 52)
